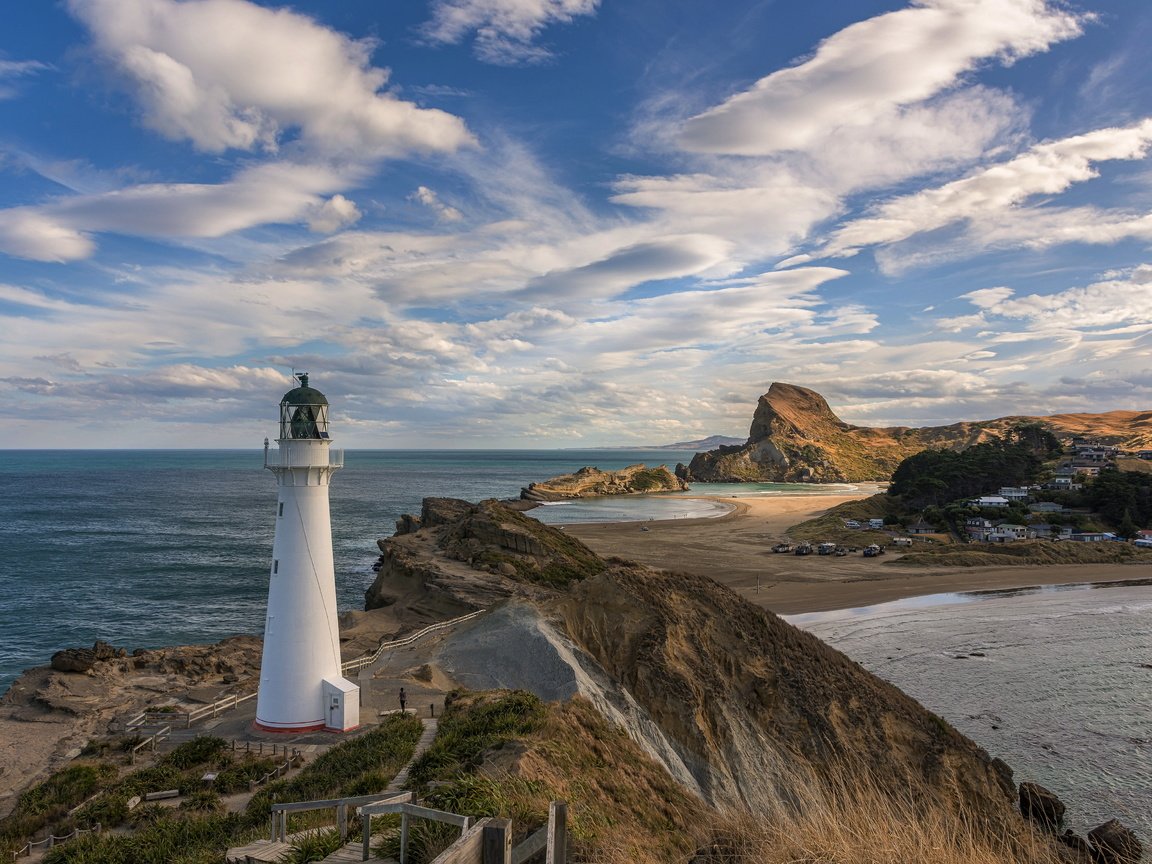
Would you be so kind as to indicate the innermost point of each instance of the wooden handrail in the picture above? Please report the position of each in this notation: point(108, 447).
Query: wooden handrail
point(358, 663)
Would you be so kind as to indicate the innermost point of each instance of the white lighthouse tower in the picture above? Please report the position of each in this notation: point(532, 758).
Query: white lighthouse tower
point(302, 687)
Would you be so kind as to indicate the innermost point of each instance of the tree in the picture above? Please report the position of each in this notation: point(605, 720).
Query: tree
point(1127, 528)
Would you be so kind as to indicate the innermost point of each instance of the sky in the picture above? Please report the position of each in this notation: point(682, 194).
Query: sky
point(567, 223)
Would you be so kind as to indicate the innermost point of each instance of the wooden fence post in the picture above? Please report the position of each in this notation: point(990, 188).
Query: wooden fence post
point(557, 848)
point(367, 820)
point(496, 846)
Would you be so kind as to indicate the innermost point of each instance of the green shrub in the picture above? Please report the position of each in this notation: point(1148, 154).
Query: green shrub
point(470, 727)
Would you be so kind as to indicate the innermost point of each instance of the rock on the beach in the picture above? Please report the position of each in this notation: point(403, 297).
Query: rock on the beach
point(1113, 843)
point(83, 659)
point(1041, 806)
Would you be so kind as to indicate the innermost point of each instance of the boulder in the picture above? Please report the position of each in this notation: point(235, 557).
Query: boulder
point(84, 659)
point(1113, 843)
point(1040, 806)
point(1077, 849)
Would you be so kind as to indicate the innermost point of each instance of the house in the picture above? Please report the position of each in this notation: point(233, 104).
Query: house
point(978, 527)
point(1006, 533)
point(1089, 536)
point(875, 524)
point(1065, 483)
point(922, 528)
point(1014, 493)
point(1144, 454)
point(1045, 507)
point(991, 501)
point(1046, 531)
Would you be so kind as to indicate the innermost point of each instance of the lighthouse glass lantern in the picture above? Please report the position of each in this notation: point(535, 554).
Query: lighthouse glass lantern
point(302, 687)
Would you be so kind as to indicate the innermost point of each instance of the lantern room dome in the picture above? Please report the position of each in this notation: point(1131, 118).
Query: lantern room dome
point(304, 412)
point(304, 395)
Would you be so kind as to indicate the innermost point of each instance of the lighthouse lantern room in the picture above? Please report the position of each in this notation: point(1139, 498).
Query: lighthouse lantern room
point(302, 687)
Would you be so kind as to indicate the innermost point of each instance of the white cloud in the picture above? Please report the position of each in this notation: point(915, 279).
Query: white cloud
point(1045, 169)
point(863, 73)
point(429, 198)
point(228, 74)
point(505, 30)
point(332, 215)
point(26, 233)
point(270, 193)
point(1114, 303)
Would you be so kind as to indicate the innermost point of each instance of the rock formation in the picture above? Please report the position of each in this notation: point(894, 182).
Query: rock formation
point(50, 712)
point(795, 437)
point(588, 481)
point(730, 698)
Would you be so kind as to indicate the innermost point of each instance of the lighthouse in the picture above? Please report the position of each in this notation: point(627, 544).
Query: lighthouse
point(302, 687)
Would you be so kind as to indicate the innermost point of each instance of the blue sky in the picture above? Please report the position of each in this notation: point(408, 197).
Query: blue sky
point(516, 223)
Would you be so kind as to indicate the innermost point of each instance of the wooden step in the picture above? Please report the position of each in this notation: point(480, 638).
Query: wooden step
point(264, 851)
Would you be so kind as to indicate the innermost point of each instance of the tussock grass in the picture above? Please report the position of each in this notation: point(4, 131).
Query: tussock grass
point(847, 819)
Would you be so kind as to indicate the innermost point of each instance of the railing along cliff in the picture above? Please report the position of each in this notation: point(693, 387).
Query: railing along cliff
point(52, 840)
point(358, 663)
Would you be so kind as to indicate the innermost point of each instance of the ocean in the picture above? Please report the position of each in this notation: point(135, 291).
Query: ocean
point(143, 548)
point(1055, 680)
point(149, 548)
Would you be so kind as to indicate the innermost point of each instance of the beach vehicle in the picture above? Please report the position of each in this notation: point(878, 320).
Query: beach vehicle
point(841, 551)
point(872, 550)
point(782, 547)
point(804, 549)
point(826, 549)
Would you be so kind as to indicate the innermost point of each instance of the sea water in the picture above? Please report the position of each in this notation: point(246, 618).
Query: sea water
point(1055, 680)
point(146, 548)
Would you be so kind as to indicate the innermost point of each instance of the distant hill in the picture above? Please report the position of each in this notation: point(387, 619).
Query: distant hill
point(795, 436)
point(709, 443)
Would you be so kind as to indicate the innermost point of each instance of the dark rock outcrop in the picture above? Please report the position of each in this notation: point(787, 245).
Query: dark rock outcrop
point(1041, 806)
point(1114, 843)
point(83, 660)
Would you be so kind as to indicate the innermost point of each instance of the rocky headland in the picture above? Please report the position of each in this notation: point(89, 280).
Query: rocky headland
point(589, 482)
point(735, 704)
point(796, 437)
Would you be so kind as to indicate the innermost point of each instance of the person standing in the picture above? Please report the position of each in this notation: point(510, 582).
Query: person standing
point(403, 700)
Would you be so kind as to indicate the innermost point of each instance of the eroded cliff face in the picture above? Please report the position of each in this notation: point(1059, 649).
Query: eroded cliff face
point(711, 685)
point(754, 704)
point(796, 437)
point(588, 482)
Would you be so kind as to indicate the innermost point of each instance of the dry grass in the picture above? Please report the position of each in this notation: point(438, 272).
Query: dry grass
point(848, 820)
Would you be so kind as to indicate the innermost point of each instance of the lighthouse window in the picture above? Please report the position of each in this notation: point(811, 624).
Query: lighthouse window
point(280, 509)
point(275, 567)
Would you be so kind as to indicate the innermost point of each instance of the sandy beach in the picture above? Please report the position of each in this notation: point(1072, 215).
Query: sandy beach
point(736, 550)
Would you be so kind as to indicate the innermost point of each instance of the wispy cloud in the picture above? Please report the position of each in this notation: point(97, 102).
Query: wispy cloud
point(504, 31)
point(868, 72)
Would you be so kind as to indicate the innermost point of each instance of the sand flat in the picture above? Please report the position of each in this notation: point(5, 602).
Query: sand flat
point(736, 550)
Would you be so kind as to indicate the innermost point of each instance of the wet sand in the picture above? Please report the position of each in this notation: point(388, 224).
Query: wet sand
point(736, 550)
